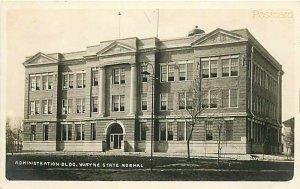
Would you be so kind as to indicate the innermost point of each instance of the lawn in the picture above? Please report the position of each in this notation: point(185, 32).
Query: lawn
point(97, 167)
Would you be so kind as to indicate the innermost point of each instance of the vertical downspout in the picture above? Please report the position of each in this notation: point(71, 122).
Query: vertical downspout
point(278, 107)
point(251, 97)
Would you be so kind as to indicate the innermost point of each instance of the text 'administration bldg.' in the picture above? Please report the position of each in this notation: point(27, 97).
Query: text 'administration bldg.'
point(99, 100)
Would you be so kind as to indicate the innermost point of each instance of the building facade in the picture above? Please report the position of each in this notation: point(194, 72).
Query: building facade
point(100, 100)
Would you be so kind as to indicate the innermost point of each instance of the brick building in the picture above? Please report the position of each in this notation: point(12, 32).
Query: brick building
point(99, 100)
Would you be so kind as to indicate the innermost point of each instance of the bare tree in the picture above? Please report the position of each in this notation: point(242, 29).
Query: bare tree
point(14, 135)
point(194, 109)
point(220, 138)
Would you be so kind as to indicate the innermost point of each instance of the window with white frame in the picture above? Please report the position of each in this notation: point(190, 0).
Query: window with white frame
point(66, 132)
point(32, 132)
point(233, 98)
point(37, 107)
point(80, 80)
point(79, 130)
point(144, 101)
point(230, 65)
point(45, 131)
point(94, 104)
point(205, 99)
point(185, 100)
point(95, 77)
point(119, 76)
point(144, 68)
point(46, 106)
point(171, 71)
point(167, 72)
point(185, 71)
point(118, 103)
point(165, 131)
point(166, 101)
point(35, 82)
point(229, 98)
point(93, 131)
point(209, 67)
point(213, 99)
point(80, 105)
point(208, 130)
point(67, 81)
point(142, 131)
point(67, 106)
point(32, 107)
point(47, 80)
point(183, 130)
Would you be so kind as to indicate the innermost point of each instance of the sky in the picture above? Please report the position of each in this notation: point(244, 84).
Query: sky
point(29, 31)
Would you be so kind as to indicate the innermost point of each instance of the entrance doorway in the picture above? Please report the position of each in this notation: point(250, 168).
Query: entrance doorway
point(115, 137)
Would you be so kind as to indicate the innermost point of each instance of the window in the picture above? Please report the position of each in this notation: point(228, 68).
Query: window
point(41, 81)
point(183, 131)
point(214, 68)
point(32, 132)
point(95, 77)
point(93, 131)
point(38, 83)
point(225, 67)
point(167, 72)
point(95, 104)
point(67, 106)
point(47, 82)
point(229, 129)
point(166, 101)
point(225, 98)
point(66, 132)
point(45, 131)
point(229, 98)
point(208, 130)
point(79, 130)
point(119, 76)
point(80, 105)
point(32, 83)
point(182, 72)
point(170, 131)
point(233, 98)
point(67, 80)
point(209, 67)
point(205, 68)
point(118, 102)
point(80, 80)
point(141, 132)
point(37, 107)
point(32, 108)
point(234, 67)
point(205, 99)
point(47, 106)
point(185, 71)
point(171, 72)
point(213, 99)
point(165, 131)
point(185, 100)
point(144, 101)
point(230, 66)
point(144, 77)
point(163, 72)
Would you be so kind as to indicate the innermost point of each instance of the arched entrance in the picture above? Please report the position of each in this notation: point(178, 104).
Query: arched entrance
point(114, 136)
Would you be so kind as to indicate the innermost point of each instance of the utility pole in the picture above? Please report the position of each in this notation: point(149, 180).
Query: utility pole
point(119, 25)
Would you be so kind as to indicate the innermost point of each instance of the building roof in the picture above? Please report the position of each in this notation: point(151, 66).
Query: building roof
point(133, 43)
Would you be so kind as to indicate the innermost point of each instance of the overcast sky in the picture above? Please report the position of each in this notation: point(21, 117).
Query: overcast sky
point(49, 31)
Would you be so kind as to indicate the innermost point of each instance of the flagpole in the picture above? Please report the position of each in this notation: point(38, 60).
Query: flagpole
point(119, 25)
point(157, 23)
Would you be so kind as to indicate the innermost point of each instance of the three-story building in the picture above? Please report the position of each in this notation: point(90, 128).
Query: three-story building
point(99, 100)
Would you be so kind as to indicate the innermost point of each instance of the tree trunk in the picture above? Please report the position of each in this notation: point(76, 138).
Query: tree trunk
point(219, 140)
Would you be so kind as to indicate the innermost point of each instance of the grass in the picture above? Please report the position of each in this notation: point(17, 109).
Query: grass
point(165, 168)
